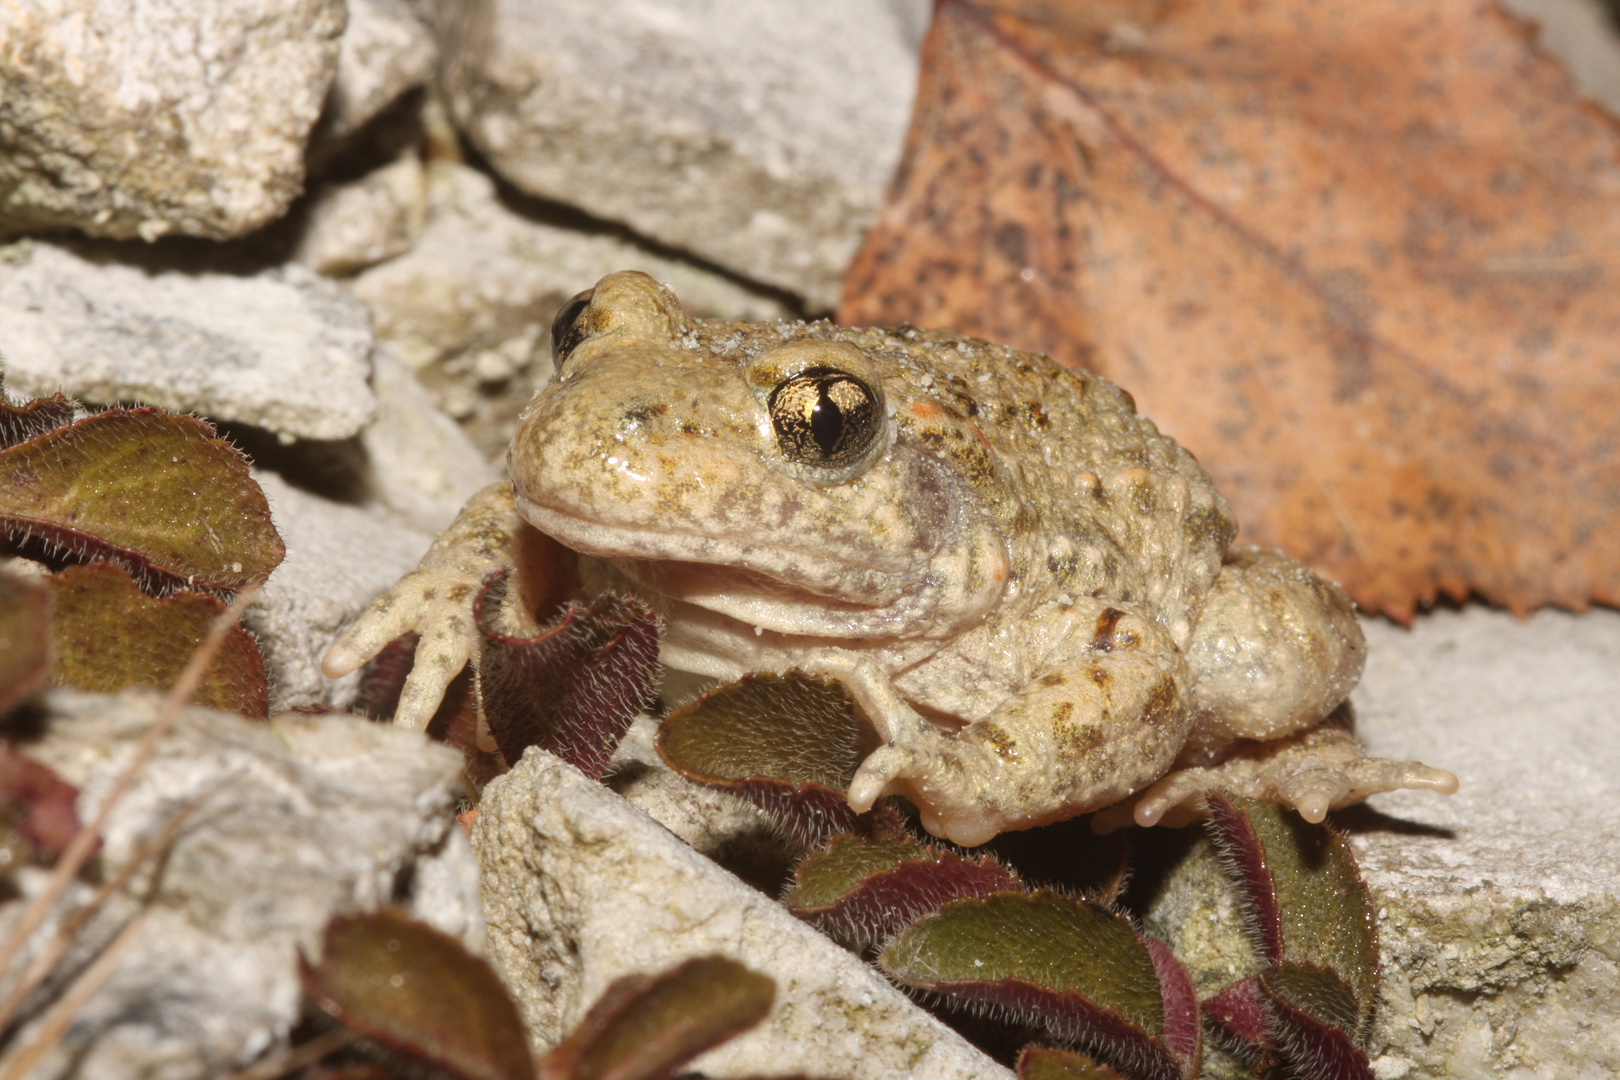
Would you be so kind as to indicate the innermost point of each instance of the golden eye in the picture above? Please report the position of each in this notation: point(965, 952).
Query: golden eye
point(824, 416)
point(568, 328)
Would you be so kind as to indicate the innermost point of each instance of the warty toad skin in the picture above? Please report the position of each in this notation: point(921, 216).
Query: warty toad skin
point(1029, 590)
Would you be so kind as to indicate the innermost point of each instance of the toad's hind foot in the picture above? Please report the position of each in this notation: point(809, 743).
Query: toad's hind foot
point(1314, 772)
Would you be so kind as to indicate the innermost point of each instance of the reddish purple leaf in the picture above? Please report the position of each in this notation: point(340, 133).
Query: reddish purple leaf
point(37, 803)
point(864, 889)
point(1183, 1031)
point(1239, 1012)
point(1308, 908)
point(1313, 1049)
point(1245, 861)
point(790, 744)
point(1313, 1013)
point(574, 687)
point(382, 680)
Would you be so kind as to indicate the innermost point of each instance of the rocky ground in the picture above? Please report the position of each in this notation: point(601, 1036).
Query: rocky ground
point(340, 230)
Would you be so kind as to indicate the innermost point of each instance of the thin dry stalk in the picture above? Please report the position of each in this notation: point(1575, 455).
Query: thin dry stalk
point(46, 960)
point(84, 841)
point(56, 1021)
point(299, 1056)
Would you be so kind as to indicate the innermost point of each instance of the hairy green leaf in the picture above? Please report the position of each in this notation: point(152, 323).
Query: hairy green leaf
point(1042, 938)
point(107, 635)
point(1077, 969)
point(1046, 1063)
point(419, 992)
point(645, 1027)
point(862, 889)
point(788, 743)
point(826, 876)
point(154, 492)
point(1304, 893)
point(25, 606)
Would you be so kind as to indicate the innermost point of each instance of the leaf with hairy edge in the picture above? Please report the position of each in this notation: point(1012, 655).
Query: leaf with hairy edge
point(156, 493)
point(37, 803)
point(106, 635)
point(1046, 1063)
point(645, 1027)
point(1240, 1013)
point(21, 422)
point(418, 992)
point(574, 687)
point(1078, 970)
point(1306, 903)
point(25, 614)
point(1300, 1001)
point(790, 744)
point(1183, 1028)
point(863, 889)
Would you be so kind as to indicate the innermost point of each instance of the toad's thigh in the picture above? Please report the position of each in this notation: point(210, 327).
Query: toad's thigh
point(1276, 649)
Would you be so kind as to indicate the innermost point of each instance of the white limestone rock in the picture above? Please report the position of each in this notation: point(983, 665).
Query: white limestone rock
point(385, 51)
point(282, 348)
point(174, 117)
point(758, 135)
point(346, 226)
point(1499, 907)
point(423, 466)
point(299, 819)
point(338, 558)
point(581, 888)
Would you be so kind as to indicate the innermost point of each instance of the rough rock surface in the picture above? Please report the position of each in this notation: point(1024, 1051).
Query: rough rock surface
point(468, 306)
point(299, 819)
point(338, 558)
point(282, 348)
point(346, 226)
point(581, 888)
point(1499, 907)
point(423, 466)
point(759, 135)
point(175, 117)
point(384, 52)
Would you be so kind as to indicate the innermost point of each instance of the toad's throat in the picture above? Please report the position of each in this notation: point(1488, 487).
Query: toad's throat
point(797, 592)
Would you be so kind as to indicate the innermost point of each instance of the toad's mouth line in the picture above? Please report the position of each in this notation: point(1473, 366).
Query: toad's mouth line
point(694, 567)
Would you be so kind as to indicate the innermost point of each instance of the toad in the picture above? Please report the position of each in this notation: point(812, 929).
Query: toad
point(1030, 592)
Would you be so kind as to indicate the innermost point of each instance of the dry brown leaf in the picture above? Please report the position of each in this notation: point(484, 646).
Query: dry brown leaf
point(1359, 258)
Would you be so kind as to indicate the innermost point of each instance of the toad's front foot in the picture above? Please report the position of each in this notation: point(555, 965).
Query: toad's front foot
point(949, 781)
point(1314, 772)
point(435, 603)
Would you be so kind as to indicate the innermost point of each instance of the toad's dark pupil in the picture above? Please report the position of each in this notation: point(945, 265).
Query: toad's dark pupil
point(567, 328)
point(824, 416)
point(826, 422)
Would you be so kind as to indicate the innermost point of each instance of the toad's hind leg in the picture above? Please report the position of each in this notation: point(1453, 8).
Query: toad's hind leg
point(1276, 650)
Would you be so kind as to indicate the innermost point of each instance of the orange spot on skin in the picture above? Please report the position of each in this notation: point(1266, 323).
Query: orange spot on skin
point(926, 410)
